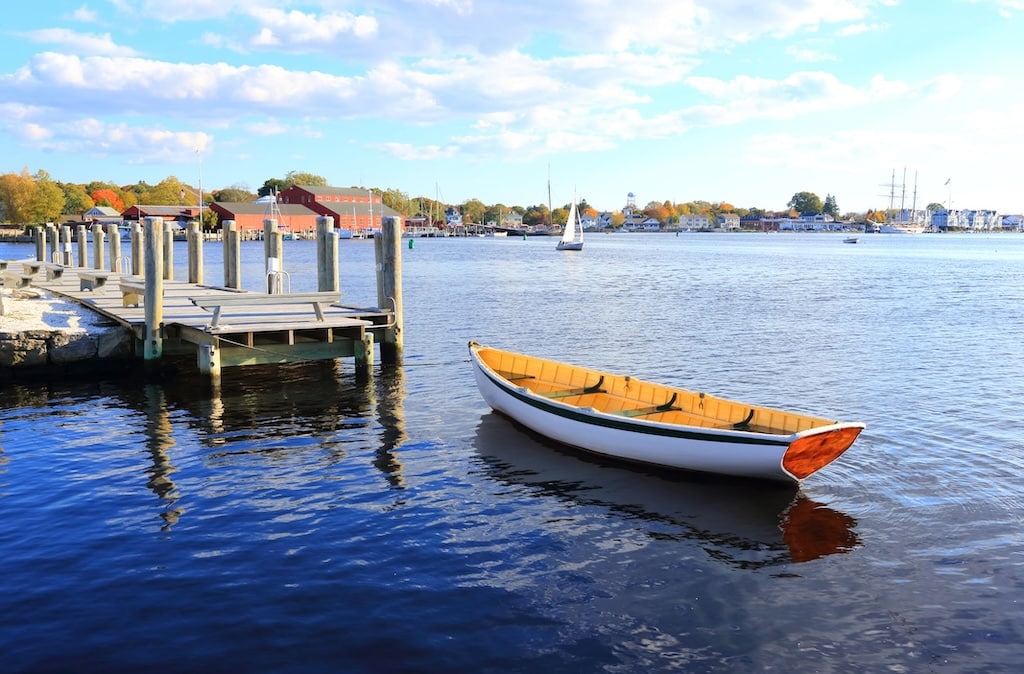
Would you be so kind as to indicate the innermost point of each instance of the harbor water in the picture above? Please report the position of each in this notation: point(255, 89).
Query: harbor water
point(302, 519)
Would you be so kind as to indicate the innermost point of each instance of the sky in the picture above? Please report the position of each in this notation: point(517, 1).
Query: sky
point(746, 102)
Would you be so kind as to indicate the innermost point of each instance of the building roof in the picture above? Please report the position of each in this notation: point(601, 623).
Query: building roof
point(102, 212)
point(261, 208)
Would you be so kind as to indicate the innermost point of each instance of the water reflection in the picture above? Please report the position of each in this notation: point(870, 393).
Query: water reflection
point(159, 441)
point(741, 523)
point(271, 409)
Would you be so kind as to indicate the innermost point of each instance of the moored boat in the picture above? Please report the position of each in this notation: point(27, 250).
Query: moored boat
point(624, 418)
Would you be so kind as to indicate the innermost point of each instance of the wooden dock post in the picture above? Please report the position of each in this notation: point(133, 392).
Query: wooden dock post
point(195, 253)
point(137, 265)
point(326, 255)
point(67, 259)
point(39, 235)
point(232, 254)
point(115, 247)
point(388, 251)
point(99, 243)
point(154, 299)
point(273, 249)
point(168, 250)
point(53, 238)
point(83, 245)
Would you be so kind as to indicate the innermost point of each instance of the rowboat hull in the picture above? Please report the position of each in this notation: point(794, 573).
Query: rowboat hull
point(628, 419)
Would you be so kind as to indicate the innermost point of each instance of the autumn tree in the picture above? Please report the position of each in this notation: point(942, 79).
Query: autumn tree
point(806, 203)
point(107, 197)
point(16, 193)
point(47, 200)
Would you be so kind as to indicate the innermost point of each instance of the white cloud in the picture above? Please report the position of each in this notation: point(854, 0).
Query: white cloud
point(80, 43)
point(299, 30)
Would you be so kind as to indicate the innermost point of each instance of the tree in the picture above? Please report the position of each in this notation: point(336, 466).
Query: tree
point(806, 203)
point(16, 193)
point(935, 207)
point(473, 211)
point(278, 185)
point(234, 194)
point(47, 201)
point(108, 197)
point(831, 207)
point(76, 201)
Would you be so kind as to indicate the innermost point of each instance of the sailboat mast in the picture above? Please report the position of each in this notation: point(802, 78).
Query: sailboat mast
point(903, 195)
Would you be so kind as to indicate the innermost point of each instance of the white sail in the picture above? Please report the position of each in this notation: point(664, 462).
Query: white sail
point(572, 235)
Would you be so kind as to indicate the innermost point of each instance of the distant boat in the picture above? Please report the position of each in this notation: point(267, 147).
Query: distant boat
point(851, 239)
point(901, 225)
point(572, 234)
point(624, 418)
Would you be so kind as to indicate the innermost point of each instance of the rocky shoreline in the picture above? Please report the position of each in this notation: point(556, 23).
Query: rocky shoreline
point(40, 332)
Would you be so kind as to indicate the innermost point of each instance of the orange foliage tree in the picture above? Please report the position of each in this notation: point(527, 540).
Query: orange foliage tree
point(107, 197)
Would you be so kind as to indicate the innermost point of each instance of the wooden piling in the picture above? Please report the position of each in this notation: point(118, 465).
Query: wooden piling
point(99, 243)
point(232, 254)
point(326, 255)
point(115, 247)
point(273, 251)
point(167, 235)
point(154, 299)
point(83, 245)
point(195, 253)
point(388, 251)
point(39, 235)
point(137, 255)
point(67, 259)
point(53, 239)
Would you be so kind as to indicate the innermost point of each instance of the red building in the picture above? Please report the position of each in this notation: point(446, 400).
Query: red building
point(354, 210)
point(249, 215)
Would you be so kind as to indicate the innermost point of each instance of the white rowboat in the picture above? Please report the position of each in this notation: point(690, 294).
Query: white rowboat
point(624, 418)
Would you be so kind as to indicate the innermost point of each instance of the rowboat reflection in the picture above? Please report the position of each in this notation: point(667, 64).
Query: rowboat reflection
point(740, 522)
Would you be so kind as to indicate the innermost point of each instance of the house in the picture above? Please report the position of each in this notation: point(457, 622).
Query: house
point(102, 215)
point(179, 215)
point(354, 210)
point(249, 215)
point(694, 221)
point(729, 222)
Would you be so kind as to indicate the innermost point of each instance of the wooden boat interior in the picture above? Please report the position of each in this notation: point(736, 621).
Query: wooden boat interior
point(629, 397)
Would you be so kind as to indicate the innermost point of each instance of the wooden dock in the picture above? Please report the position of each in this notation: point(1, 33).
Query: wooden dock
point(273, 329)
point(225, 326)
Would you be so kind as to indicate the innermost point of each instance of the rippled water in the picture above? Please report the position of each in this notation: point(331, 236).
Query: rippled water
point(301, 519)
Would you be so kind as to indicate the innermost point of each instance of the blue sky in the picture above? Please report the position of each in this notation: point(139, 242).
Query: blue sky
point(719, 100)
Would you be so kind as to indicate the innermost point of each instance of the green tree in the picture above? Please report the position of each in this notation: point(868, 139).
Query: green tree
point(806, 203)
point(473, 211)
point(234, 194)
point(76, 200)
point(831, 207)
point(48, 200)
point(935, 206)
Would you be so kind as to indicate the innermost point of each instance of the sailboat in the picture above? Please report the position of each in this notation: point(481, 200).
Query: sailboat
point(572, 233)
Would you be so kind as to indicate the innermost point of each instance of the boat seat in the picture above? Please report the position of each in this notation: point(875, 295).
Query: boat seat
point(513, 376)
point(668, 406)
point(568, 393)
